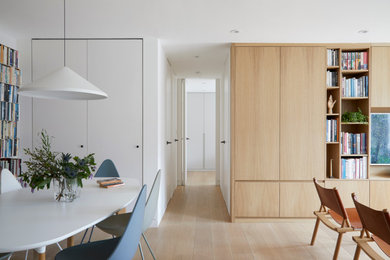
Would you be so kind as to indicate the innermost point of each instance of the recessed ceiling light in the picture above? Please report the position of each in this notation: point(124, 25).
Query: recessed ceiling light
point(197, 72)
point(234, 31)
point(363, 31)
point(197, 56)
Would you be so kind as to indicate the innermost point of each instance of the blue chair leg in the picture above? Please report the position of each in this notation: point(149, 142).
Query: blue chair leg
point(140, 250)
point(82, 240)
point(147, 243)
point(90, 235)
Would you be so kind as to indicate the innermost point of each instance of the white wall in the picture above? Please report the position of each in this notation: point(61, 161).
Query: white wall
point(156, 71)
point(225, 133)
point(166, 132)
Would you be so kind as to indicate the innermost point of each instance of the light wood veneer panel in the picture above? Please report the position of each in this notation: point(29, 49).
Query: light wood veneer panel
point(256, 94)
point(379, 195)
point(302, 127)
point(298, 199)
point(257, 199)
point(380, 77)
point(347, 187)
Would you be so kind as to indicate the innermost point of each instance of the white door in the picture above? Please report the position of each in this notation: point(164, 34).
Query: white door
point(65, 120)
point(115, 124)
point(195, 131)
point(200, 131)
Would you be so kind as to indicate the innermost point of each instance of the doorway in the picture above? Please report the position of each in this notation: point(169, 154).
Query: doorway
point(200, 131)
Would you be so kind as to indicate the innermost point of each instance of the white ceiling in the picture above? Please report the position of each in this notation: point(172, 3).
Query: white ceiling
point(201, 27)
point(200, 85)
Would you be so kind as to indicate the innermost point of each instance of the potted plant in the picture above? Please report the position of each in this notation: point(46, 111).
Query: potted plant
point(66, 172)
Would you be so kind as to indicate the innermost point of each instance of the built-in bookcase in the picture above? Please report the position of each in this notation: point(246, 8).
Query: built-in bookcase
point(10, 80)
point(347, 143)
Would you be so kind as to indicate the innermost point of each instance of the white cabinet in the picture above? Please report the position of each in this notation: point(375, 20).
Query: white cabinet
point(65, 120)
point(115, 124)
point(110, 128)
point(201, 131)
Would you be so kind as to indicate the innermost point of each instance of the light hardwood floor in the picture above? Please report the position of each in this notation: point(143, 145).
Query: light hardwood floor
point(196, 226)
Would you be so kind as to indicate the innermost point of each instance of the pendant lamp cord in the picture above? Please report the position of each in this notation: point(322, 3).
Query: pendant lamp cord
point(64, 37)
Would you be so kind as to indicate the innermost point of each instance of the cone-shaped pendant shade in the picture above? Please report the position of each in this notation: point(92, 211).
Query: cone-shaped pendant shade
point(63, 84)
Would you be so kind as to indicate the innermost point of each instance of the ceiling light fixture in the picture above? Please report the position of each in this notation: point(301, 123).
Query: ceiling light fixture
point(63, 84)
point(363, 31)
point(197, 72)
point(234, 31)
point(197, 56)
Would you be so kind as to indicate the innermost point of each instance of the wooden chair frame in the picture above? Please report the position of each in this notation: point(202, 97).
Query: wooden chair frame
point(362, 241)
point(324, 216)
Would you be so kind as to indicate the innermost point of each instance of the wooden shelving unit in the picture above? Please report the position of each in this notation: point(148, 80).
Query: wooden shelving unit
point(10, 80)
point(334, 155)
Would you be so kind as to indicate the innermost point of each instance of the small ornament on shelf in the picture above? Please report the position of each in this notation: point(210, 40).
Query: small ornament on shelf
point(331, 104)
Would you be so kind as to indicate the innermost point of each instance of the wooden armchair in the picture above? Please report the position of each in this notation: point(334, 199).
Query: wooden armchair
point(332, 207)
point(376, 222)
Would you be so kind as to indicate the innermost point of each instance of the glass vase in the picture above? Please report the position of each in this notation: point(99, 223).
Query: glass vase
point(65, 190)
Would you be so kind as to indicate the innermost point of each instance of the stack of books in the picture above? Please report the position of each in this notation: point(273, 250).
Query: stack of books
point(109, 183)
point(354, 60)
point(10, 75)
point(331, 78)
point(353, 143)
point(12, 165)
point(355, 87)
point(333, 57)
point(331, 130)
point(354, 168)
point(9, 56)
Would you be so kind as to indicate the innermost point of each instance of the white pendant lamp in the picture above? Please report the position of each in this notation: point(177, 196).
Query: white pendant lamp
point(63, 84)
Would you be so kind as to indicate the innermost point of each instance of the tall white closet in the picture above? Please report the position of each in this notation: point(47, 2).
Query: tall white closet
point(200, 120)
point(110, 128)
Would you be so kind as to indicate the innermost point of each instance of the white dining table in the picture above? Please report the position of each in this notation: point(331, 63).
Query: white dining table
point(35, 220)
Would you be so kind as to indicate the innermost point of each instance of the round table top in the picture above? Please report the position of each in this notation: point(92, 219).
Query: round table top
point(34, 220)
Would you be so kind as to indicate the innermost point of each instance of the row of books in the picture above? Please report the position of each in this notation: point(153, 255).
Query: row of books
point(9, 56)
point(9, 148)
point(8, 130)
point(10, 75)
point(331, 130)
point(9, 93)
point(354, 60)
point(353, 143)
point(13, 165)
point(9, 111)
point(333, 57)
point(355, 87)
point(354, 168)
point(331, 78)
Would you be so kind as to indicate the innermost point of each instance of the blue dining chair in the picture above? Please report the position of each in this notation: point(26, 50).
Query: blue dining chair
point(116, 224)
point(119, 248)
point(106, 169)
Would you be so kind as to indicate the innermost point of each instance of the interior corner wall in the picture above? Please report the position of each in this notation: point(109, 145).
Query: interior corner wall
point(225, 133)
point(168, 175)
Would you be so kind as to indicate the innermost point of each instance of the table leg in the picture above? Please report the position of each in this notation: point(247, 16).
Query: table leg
point(70, 241)
point(40, 253)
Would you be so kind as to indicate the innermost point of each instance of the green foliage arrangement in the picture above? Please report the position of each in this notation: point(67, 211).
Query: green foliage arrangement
point(45, 165)
point(354, 117)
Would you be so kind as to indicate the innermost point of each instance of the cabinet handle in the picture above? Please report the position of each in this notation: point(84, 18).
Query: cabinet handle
point(137, 146)
point(176, 140)
point(82, 146)
point(187, 138)
point(223, 142)
point(168, 142)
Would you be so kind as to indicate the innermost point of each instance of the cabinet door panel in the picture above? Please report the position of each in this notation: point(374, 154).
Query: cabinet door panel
point(115, 123)
point(65, 120)
point(298, 199)
point(346, 188)
point(256, 113)
point(302, 139)
point(256, 199)
point(380, 77)
point(380, 194)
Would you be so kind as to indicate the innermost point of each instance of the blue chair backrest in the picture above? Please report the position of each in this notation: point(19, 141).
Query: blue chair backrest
point(128, 243)
point(107, 169)
point(151, 204)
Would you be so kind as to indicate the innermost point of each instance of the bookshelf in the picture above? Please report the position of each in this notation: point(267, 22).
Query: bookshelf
point(347, 155)
point(10, 80)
